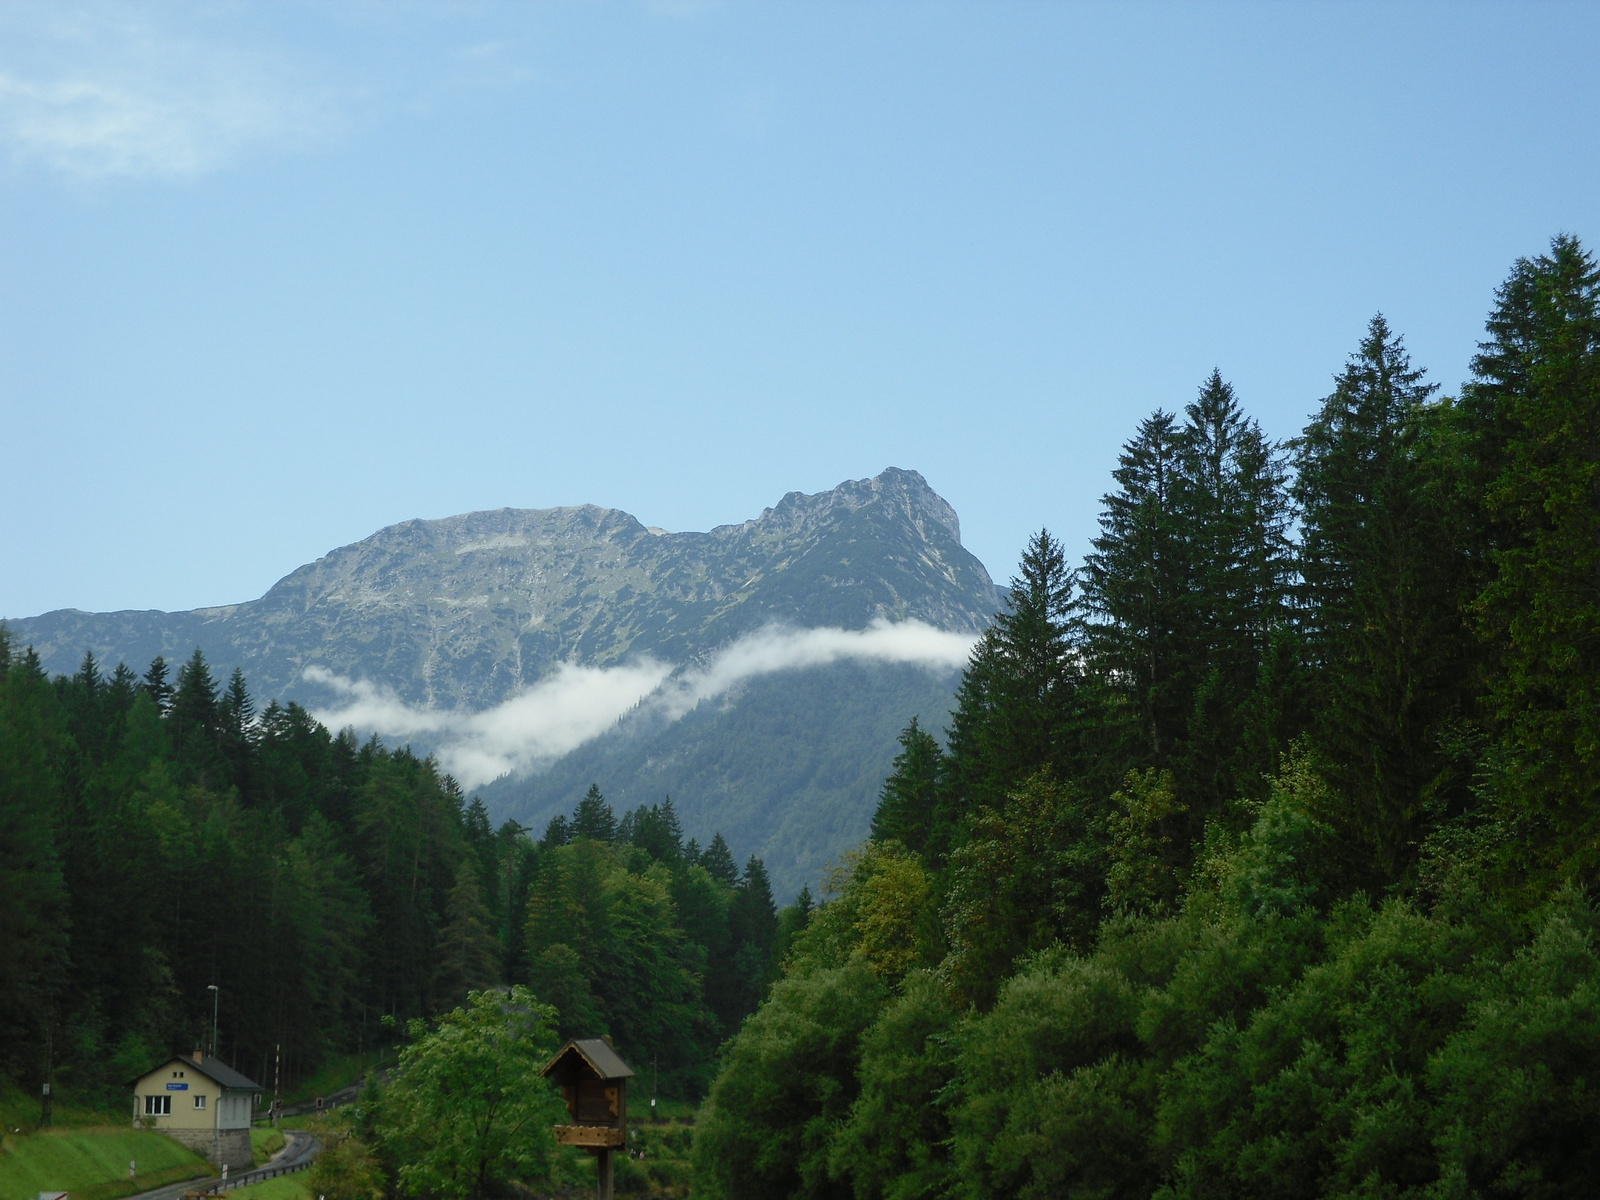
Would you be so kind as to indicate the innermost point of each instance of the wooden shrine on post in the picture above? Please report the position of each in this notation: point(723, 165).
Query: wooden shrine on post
point(594, 1083)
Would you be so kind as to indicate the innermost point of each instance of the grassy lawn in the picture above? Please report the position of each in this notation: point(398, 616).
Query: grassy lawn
point(92, 1163)
point(284, 1187)
point(19, 1110)
point(265, 1142)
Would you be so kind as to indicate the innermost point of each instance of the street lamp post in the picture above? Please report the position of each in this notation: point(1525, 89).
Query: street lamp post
point(215, 996)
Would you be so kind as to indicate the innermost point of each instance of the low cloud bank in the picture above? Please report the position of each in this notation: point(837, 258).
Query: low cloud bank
point(576, 704)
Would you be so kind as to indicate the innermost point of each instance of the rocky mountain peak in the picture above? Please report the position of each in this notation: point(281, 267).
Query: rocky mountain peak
point(905, 493)
point(470, 609)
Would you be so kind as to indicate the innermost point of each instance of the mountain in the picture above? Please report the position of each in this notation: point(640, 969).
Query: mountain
point(465, 613)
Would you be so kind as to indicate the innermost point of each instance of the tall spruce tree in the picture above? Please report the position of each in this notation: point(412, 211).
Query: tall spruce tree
point(1017, 708)
point(236, 713)
point(195, 722)
point(593, 817)
point(657, 831)
point(753, 934)
point(1233, 508)
point(1136, 597)
point(911, 808)
point(1184, 593)
point(1529, 426)
point(34, 909)
point(718, 862)
point(155, 682)
point(1383, 630)
point(469, 956)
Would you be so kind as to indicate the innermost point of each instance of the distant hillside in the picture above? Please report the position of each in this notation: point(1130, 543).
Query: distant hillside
point(464, 613)
point(789, 768)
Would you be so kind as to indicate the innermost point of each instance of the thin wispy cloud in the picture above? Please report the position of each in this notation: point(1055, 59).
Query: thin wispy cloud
point(94, 92)
point(576, 704)
point(114, 91)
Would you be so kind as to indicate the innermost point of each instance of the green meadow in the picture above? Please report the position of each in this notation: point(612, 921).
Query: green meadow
point(92, 1163)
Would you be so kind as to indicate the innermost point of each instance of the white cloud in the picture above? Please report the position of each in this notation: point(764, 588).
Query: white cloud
point(93, 91)
point(93, 127)
point(577, 704)
point(96, 90)
point(777, 649)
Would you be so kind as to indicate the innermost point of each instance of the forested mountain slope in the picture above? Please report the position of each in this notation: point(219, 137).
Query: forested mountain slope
point(787, 769)
point(159, 836)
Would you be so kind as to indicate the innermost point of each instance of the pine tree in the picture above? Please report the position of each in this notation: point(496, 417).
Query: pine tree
point(196, 723)
point(753, 936)
point(910, 808)
point(1233, 510)
point(469, 956)
point(237, 708)
point(88, 676)
point(1184, 593)
point(718, 862)
point(236, 717)
point(1017, 706)
point(485, 847)
point(657, 831)
point(593, 817)
point(82, 696)
point(34, 903)
point(557, 833)
point(121, 689)
point(1136, 591)
point(1382, 628)
point(753, 917)
point(1529, 423)
point(155, 682)
point(1236, 517)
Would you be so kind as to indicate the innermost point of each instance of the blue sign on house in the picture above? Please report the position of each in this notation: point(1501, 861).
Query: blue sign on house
point(177, 1087)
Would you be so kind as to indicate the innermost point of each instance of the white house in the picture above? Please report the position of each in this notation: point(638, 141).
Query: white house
point(202, 1102)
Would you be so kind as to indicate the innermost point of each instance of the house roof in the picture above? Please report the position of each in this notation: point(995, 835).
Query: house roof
point(597, 1054)
point(213, 1069)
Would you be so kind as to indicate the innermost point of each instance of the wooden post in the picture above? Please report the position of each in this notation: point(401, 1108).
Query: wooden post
point(603, 1162)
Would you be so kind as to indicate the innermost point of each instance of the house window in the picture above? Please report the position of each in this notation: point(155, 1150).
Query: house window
point(158, 1106)
point(199, 1101)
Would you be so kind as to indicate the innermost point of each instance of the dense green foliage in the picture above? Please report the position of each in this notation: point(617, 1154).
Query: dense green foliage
point(1257, 859)
point(467, 1108)
point(158, 835)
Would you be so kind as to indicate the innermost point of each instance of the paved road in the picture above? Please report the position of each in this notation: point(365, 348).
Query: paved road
point(345, 1095)
point(299, 1150)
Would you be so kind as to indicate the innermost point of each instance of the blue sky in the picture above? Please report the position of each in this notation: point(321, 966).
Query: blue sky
point(274, 276)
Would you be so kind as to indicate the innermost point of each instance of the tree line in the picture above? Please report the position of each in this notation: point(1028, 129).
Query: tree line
point(158, 835)
point(1256, 857)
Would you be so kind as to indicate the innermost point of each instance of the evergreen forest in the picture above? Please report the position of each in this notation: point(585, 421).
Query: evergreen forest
point(1258, 857)
point(159, 835)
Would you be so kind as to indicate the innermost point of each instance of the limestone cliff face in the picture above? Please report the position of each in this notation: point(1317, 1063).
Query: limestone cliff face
point(467, 610)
